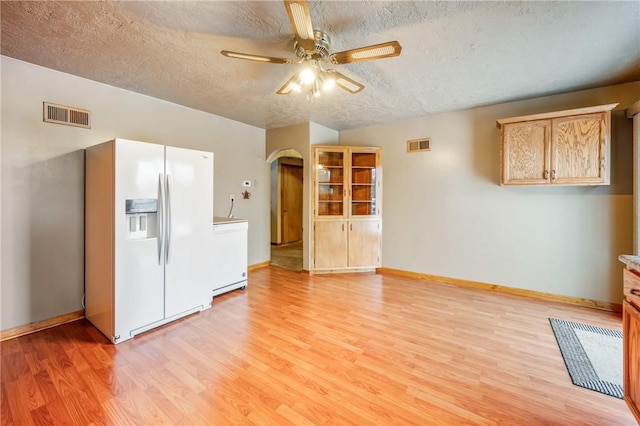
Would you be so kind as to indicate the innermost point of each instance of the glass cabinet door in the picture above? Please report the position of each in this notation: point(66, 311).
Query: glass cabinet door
point(330, 180)
point(363, 184)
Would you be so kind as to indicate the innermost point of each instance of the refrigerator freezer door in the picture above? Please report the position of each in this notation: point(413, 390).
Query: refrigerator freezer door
point(139, 275)
point(189, 270)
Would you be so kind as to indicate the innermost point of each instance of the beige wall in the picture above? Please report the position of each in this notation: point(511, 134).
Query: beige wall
point(43, 179)
point(445, 213)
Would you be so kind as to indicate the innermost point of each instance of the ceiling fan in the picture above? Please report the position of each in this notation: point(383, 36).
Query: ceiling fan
point(313, 47)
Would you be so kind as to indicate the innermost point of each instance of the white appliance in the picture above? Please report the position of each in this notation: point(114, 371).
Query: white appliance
point(148, 236)
point(229, 254)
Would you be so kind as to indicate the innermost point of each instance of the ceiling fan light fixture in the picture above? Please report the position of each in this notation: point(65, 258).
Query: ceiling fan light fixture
point(292, 85)
point(295, 85)
point(316, 88)
point(327, 80)
point(308, 75)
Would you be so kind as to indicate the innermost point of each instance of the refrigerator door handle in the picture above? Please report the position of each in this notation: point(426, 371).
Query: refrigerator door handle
point(159, 227)
point(168, 231)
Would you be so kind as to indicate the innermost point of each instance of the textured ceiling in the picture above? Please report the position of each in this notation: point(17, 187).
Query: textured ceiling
point(455, 55)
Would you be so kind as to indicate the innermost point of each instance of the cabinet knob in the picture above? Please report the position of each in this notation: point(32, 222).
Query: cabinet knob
point(546, 174)
point(635, 291)
point(553, 174)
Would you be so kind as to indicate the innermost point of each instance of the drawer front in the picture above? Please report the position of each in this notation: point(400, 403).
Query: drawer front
point(631, 282)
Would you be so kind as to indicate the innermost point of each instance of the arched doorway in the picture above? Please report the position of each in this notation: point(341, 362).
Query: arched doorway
point(286, 209)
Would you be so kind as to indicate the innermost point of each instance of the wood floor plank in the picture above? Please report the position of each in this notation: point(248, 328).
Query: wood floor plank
point(17, 406)
point(343, 349)
point(53, 413)
point(5, 411)
point(30, 392)
point(84, 408)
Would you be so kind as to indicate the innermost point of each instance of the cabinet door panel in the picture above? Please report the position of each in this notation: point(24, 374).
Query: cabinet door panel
point(525, 152)
point(631, 333)
point(578, 149)
point(364, 243)
point(364, 182)
point(330, 244)
point(329, 183)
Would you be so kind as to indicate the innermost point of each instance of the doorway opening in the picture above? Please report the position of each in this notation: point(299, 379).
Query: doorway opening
point(286, 210)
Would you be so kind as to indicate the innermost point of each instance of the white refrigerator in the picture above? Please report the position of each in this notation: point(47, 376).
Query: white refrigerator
point(148, 235)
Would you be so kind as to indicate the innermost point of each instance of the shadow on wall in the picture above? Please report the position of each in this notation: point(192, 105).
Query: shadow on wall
point(486, 143)
point(621, 154)
point(54, 215)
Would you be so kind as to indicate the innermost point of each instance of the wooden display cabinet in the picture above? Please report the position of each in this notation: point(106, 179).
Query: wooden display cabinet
point(347, 208)
point(559, 148)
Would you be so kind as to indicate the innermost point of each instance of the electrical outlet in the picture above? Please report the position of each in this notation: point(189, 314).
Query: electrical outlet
point(231, 197)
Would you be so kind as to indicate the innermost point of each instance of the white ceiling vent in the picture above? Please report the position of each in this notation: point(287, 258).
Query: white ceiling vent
point(419, 145)
point(61, 114)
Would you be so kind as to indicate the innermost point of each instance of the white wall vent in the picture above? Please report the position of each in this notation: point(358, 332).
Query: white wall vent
point(61, 114)
point(419, 145)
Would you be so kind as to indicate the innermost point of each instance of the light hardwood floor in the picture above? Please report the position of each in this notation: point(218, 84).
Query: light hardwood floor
point(331, 349)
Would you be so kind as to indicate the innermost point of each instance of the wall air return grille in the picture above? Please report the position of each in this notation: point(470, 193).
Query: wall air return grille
point(419, 145)
point(61, 114)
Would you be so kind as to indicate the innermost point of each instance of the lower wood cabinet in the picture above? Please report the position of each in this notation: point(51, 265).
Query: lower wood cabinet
point(631, 332)
point(330, 244)
point(342, 245)
point(631, 341)
point(364, 244)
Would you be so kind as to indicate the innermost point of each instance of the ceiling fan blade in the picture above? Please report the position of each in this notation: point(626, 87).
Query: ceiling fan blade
point(298, 11)
point(368, 53)
point(290, 86)
point(250, 57)
point(346, 83)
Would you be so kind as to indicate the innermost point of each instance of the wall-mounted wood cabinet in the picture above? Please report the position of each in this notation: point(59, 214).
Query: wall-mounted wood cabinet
point(559, 148)
point(347, 208)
